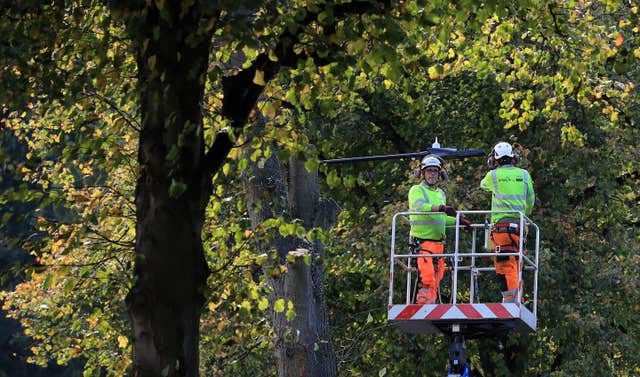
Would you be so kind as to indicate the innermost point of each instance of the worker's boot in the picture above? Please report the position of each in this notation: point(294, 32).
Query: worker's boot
point(424, 297)
point(510, 297)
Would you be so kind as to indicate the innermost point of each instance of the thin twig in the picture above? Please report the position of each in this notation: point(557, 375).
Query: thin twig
point(127, 118)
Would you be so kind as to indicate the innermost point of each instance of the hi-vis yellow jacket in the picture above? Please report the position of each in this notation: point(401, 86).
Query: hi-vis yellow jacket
point(512, 190)
point(430, 227)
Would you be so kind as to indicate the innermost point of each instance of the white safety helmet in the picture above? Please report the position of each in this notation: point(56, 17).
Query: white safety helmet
point(502, 149)
point(430, 160)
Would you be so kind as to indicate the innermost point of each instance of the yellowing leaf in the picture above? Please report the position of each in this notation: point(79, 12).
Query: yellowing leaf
point(433, 72)
point(356, 46)
point(258, 79)
point(151, 62)
point(269, 110)
point(92, 321)
point(272, 55)
point(619, 40)
point(291, 96)
point(123, 341)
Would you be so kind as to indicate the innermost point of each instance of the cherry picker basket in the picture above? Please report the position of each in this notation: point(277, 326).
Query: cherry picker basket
point(461, 310)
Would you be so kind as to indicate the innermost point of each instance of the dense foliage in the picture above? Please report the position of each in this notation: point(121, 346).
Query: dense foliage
point(557, 78)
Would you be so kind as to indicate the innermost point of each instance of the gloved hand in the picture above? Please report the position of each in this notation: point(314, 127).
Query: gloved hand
point(465, 222)
point(450, 211)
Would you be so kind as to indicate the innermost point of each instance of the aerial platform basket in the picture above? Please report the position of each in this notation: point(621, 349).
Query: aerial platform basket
point(464, 313)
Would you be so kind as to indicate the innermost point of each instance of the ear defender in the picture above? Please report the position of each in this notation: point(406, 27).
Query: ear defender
point(444, 175)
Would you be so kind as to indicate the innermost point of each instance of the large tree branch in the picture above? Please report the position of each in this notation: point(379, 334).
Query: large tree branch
point(240, 91)
point(217, 153)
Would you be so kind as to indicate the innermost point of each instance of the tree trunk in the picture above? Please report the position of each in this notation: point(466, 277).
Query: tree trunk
point(303, 344)
point(172, 191)
point(306, 204)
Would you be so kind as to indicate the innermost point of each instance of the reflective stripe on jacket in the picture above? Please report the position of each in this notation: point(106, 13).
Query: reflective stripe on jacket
point(429, 227)
point(512, 190)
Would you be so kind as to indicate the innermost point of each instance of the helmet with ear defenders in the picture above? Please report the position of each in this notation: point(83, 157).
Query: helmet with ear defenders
point(432, 160)
point(501, 150)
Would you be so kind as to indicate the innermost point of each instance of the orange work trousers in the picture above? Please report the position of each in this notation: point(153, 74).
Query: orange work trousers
point(507, 266)
point(431, 271)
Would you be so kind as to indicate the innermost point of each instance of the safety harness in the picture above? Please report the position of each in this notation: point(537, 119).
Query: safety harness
point(415, 246)
point(511, 229)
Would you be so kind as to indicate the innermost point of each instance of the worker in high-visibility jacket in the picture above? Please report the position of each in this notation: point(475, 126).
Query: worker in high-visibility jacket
point(512, 190)
point(428, 231)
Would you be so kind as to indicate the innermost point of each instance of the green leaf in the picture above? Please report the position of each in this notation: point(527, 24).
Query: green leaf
point(177, 188)
point(47, 281)
point(332, 179)
point(291, 314)
point(278, 306)
point(272, 55)
point(286, 229)
point(242, 164)
point(260, 259)
point(173, 153)
point(312, 164)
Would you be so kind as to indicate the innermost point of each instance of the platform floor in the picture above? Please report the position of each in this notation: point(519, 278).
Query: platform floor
point(474, 319)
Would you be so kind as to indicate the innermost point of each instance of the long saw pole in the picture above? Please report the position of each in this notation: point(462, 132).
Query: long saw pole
point(442, 152)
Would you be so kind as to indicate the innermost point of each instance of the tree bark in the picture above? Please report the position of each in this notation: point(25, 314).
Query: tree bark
point(303, 344)
point(172, 192)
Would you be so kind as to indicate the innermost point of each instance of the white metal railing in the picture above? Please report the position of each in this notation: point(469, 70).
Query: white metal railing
point(525, 262)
